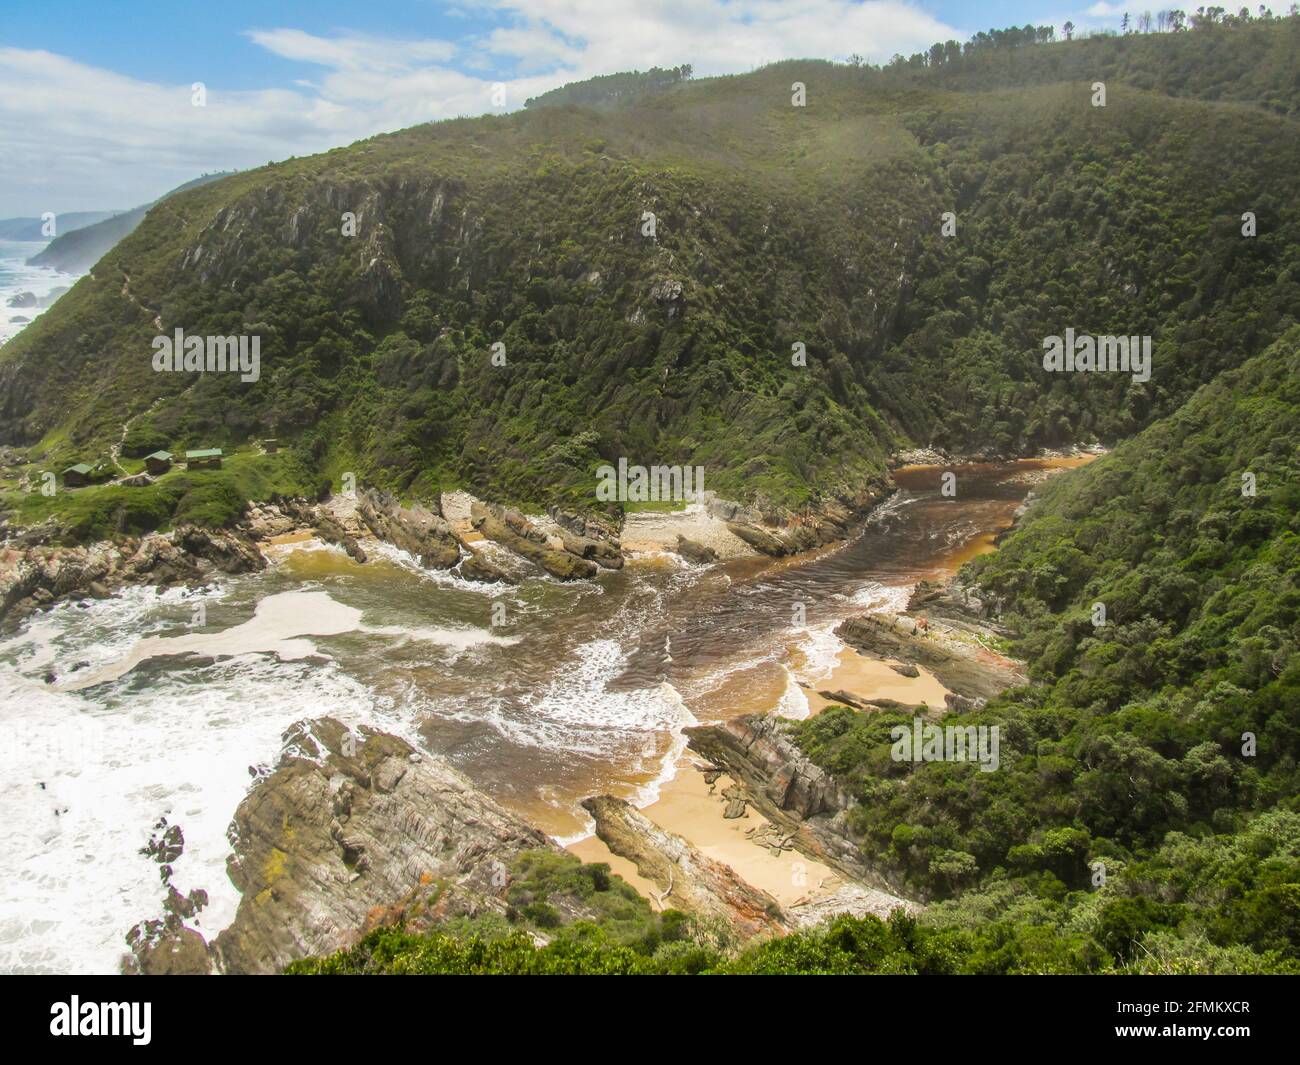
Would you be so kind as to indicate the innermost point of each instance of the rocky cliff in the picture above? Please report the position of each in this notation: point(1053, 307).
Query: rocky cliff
point(349, 831)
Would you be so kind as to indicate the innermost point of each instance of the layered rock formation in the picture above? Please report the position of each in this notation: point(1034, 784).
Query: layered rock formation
point(800, 798)
point(34, 574)
point(349, 828)
point(688, 880)
point(513, 531)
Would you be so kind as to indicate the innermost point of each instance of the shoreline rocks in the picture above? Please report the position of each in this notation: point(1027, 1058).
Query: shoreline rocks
point(347, 830)
point(689, 880)
point(514, 532)
point(36, 576)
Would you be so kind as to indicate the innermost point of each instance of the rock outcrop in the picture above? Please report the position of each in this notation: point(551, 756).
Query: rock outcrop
point(958, 659)
point(693, 552)
point(514, 532)
point(417, 530)
point(346, 829)
point(688, 880)
point(784, 785)
point(39, 574)
point(598, 551)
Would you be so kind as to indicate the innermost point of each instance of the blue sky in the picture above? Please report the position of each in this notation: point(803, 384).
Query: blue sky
point(96, 107)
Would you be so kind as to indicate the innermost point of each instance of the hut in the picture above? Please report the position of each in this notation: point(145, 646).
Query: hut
point(208, 458)
point(76, 476)
point(271, 446)
point(159, 462)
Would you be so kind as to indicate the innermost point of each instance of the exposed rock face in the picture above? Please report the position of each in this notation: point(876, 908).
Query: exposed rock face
point(346, 828)
point(787, 540)
point(598, 551)
point(35, 576)
point(730, 510)
point(590, 526)
point(478, 567)
point(690, 881)
point(786, 788)
point(228, 551)
point(764, 540)
point(511, 518)
point(854, 899)
point(183, 954)
point(415, 530)
point(292, 515)
point(968, 669)
point(693, 552)
point(668, 293)
point(527, 541)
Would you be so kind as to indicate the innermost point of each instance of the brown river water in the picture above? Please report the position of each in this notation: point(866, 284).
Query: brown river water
point(582, 689)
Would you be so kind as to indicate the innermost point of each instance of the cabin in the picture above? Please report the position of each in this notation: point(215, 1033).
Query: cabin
point(159, 462)
point(77, 476)
point(204, 459)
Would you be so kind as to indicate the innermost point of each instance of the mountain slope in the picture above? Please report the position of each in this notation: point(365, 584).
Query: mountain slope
point(1159, 741)
point(775, 225)
point(76, 250)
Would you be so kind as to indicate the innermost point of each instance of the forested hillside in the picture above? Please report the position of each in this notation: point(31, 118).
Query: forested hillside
point(775, 225)
point(1162, 742)
point(1144, 817)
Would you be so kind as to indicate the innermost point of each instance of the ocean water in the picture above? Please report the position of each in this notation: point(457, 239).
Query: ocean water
point(583, 690)
point(17, 277)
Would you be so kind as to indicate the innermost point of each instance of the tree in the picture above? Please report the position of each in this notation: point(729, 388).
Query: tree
point(1068, 30)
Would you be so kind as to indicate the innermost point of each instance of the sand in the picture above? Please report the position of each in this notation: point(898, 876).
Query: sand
point(649, 531)
point(276, 626)
point(871, 678)
point(687, 807)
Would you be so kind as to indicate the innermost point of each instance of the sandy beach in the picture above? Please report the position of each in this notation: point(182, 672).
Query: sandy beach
point(870, 678)
point(691, 808)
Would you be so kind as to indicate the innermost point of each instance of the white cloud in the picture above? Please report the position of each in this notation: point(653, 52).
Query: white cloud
point(80, 137)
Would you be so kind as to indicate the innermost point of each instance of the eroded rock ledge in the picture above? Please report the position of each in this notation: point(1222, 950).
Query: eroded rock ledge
point(688, 880)
point(344, 832)
point(945, 633)
point(35, 574)
point(796, 795)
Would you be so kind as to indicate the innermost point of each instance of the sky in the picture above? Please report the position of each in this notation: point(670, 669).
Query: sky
point(97, 100)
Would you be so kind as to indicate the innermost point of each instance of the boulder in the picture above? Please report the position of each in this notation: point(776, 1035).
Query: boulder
point(768, 543)
point(598, 551)
point(695, 552)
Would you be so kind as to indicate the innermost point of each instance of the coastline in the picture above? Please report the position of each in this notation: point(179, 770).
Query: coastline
point(692, 808)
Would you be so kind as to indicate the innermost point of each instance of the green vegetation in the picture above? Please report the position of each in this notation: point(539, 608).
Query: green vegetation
point(1145, 815)
point(612, 89)
point(1164, 744)
point(817, 225)
point(591, 921)
point(212, 498)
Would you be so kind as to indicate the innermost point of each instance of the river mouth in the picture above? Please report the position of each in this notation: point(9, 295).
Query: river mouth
point(576, 689)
